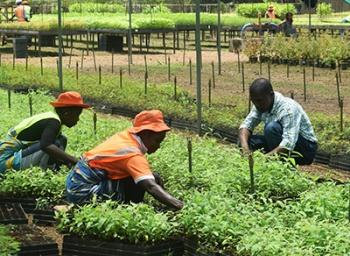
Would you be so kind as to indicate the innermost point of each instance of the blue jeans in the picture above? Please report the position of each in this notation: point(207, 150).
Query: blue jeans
point(272, 138)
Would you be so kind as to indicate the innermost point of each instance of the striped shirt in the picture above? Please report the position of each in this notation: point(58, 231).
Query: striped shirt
point(289, 114)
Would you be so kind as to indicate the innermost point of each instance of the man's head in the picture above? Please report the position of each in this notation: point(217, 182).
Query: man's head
point(151, 128)
point(270, 9)
point(69, 106)
point(18, 2)
point(261, 94)
point(25, 2)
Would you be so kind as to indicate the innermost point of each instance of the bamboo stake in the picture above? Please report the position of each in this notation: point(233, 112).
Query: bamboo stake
point(189, 149)
point(213, 73)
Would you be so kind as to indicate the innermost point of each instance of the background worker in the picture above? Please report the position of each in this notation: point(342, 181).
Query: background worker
point(19, 12)
point(118, 169)
point(37, 140)
point(287, 127)
point(286, 27)
point(27, 10)
point(270, 13)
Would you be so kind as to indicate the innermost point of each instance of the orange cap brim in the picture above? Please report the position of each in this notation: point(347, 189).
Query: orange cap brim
point(62, 105)
point(151, 127)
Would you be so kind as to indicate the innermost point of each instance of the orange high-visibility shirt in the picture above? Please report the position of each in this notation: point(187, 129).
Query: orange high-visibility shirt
point(19, 12)
point(121, 156)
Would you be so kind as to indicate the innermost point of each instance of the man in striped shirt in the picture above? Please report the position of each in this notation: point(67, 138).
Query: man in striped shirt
point(287, 127)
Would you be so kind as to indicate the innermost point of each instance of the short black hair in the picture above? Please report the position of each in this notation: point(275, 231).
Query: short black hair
point(260, 86)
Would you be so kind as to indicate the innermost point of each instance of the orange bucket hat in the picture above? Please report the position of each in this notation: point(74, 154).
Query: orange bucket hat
point(149, 120)
point(69, 99)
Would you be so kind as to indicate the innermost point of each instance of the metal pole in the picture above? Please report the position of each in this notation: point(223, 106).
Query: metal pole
point(198, 67)
point(60, 45)
point(219, 36)
point(129, 38)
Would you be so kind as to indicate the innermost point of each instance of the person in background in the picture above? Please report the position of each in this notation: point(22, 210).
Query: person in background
point(18, 12)
point(38, 141)
point(270, 13)
point(287, 27)
point(118, 169)
point(287, 126)
point(27, 11)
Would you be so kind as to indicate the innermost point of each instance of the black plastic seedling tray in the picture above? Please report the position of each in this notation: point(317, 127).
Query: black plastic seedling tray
point(74, 245)
point(12, 213)
point(33, 241)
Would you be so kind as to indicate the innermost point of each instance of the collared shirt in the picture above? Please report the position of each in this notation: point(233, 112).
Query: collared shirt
point(289, 114)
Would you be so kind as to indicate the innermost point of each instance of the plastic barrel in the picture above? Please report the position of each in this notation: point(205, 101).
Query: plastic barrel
point(20, 47)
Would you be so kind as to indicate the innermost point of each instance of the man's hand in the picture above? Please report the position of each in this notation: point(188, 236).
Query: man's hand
point(158, 179)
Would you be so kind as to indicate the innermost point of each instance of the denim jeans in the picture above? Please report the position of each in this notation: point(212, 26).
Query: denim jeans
point(272, 138)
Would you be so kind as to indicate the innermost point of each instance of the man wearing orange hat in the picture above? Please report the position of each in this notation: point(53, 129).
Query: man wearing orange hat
point(117, 169)
point(270, 13)
point(37, 140)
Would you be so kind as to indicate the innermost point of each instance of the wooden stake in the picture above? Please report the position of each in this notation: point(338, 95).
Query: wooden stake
point(190, 72)
point(339, 71)
point(13, 61)
point(189, 149)
point(209, 92)
point(269, 69)
point(121, 78)
point(175, 88)
point(213, 73)
point(145, 59)
point(239, 62)
point(251, 173)
point(41, 66)
point(70, 54)
point(243, 84)
point(288, 69)
point(112, 61)
point(95, 123)
point(94, 57)
point(0, 59)
point(99, 75)
point(338, 87)
point(313, 71)
point(260, 65)
point(146, 79)
point(9, 98)
point(82, 59)
point(27, 62)
point(169, 69)
point(341, 105)
point(30, 105)
point(184, 54)
point(304, 80)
